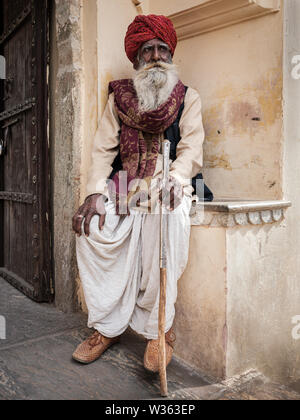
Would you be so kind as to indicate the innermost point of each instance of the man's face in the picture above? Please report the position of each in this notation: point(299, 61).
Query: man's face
point(154, 51)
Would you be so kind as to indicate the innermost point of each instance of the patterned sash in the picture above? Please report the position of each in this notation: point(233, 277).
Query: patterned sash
point(137, 155)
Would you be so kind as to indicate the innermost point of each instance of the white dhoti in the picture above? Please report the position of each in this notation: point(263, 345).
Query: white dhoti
point(119, 269)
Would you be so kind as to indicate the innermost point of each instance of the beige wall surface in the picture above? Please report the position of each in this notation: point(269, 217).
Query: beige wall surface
point(90, 101)
point(200, 321)
point(113, 20)
point(238, 73)
point(263, 282)
point(168, 7)
point(263, 296)
point(291, 165)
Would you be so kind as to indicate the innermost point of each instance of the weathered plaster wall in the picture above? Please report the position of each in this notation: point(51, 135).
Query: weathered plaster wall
point(90, 101)
point(263, 295)
point(263, 285)
point(90, 98)
point(66, 142)
point(200, 321)
point(291, 166)
point(238, 73)
point(113, 62)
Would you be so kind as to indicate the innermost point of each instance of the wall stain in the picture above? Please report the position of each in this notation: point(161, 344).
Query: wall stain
point(271, 184)
point(258, 105)
point(270, 98)
point(241, 115)
point(240, 120)
point(218, 161)
point(214, 124)
point(256, 160)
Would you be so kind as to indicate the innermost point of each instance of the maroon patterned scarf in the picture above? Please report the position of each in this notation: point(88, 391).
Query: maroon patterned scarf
point(137, 156)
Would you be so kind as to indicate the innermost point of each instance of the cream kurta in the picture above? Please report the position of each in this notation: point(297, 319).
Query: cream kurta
point(189, 150)
point(119, 266)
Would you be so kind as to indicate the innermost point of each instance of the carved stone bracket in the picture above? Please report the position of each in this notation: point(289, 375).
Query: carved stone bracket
point(238, 213)
point(216, 14)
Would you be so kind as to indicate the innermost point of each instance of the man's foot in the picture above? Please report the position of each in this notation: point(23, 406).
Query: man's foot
point(92, 348)
point(152, 351)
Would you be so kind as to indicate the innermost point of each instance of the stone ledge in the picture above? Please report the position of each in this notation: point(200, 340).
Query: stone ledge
point(216, 14)
point(229, 213)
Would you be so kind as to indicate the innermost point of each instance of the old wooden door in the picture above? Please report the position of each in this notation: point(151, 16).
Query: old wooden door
point(25, 257)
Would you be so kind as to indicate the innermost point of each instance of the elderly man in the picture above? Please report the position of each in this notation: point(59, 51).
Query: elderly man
point(118, 251)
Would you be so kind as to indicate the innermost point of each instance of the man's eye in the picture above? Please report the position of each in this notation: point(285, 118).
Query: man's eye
point(163, 48)
point(148, 49)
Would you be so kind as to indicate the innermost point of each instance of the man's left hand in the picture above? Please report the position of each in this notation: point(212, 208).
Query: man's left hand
point(171, 196)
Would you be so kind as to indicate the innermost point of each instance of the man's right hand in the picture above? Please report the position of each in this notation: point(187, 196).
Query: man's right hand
point(93, 205)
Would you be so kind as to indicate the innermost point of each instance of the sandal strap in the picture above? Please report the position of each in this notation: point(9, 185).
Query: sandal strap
point(170, 338)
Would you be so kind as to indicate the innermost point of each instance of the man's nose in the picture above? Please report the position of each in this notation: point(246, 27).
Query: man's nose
point(155, 56)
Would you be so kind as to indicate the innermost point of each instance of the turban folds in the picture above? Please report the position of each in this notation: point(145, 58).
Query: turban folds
point(144, 28)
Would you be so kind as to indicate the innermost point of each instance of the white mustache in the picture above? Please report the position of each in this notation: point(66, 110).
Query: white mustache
point(160, 65)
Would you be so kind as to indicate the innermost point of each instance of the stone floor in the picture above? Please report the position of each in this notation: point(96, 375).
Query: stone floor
point(35, 363)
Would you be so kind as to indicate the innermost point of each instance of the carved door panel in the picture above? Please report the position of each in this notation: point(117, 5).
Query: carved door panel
point(25, 255)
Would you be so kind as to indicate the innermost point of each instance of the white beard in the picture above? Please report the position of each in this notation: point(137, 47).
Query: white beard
point(154, 84)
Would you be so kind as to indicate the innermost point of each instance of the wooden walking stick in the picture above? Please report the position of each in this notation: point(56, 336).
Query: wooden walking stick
point(163, 278)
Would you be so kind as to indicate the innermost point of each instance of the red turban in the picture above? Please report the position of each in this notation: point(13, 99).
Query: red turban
point(144, 28)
